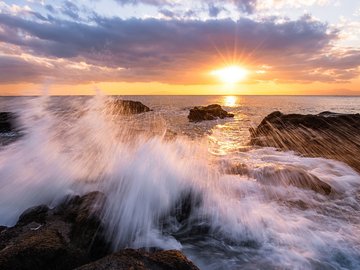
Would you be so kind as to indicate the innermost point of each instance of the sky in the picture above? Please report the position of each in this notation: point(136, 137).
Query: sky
point(137, 47)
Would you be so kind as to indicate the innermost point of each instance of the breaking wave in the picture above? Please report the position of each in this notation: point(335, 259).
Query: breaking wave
point(251, 209)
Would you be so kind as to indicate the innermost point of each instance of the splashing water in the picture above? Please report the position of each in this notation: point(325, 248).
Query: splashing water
point(184, 193)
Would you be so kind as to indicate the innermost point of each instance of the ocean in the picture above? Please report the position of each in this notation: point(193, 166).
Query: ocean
point(146, 164)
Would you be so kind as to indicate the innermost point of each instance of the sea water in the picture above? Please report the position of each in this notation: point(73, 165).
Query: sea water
point(148, 165)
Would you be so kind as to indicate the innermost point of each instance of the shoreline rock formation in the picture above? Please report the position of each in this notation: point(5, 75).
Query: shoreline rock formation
point(330, 135)
point(210, 112)
point(128, 106)
point(72, 235)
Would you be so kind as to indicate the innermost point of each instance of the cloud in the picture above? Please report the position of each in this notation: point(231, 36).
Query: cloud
point(246, 6)
point(174, 51)
point(243, 5)
point(71, 10)
point(14, 70)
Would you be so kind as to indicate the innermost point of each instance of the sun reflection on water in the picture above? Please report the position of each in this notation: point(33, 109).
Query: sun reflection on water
point(230, 101)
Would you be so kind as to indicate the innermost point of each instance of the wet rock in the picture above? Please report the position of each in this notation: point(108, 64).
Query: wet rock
point(44, 248)
point(62, 238)
point(7, 121)
point(293, 176)
point(186, 205)
point(281, 176)
point(210, 112)
point(128, 107)
point(142, 260)
point(330, 135)
point(33, 214)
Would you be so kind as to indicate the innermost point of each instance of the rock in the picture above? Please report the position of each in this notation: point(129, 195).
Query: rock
point(330, 135)
point(142, 260)
point(62, 238)
point(128, 107)
point(210, 112)
point(33, 214)
point(282, 176)
point(186, 205)
point(289, 175)
point(71, 235)
point(44, 248)
point(7, 121)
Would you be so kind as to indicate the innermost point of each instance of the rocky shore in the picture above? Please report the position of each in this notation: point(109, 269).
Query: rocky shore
point(210, 112)
point(330, 135)
point(121, 106)
point(71, 236)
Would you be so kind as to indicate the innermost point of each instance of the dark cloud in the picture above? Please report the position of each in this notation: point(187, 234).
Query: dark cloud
point(71, 10)
point(167, 13)
point(247, 6)
point(146, 2)
point(174, 51)
point(50, 8)
point(214, 11)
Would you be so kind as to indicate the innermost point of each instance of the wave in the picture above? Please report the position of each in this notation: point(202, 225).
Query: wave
point(223, 211)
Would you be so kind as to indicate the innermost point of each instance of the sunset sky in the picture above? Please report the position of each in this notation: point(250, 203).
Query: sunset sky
point(178, 47)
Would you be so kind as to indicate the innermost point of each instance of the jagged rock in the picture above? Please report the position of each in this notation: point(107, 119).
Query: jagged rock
point(62, 238)
point(33, 214)
point(142, 260)
point(72, 235)
point(330, 135)
point(127, 107)
point(210, 112)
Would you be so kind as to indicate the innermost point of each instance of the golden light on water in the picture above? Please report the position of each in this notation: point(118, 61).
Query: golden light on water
point(230, 101)
point(231, 74)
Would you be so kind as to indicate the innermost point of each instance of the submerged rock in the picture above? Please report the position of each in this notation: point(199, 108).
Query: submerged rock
point(293, 176)
point(61, 238)
point(282, 176)
point(128, 106)
point(210, 112)
point(7, 121)
point(330, 135)
point(142, 260)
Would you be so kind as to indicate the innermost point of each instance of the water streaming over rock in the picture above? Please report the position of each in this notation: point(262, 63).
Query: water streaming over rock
point(226, 206)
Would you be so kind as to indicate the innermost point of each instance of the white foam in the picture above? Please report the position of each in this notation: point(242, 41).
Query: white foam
point(145, 175)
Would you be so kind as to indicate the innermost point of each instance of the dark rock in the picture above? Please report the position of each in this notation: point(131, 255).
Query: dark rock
point(62, 238)
point(210, 112)
point(127, 107)
point(7, 121)
point(44, 248)
point(187, 203)
point(142, 260)
point(330, 135)
point(282, 176)
point(72, 235)
point(293, 176)
point(33, 214)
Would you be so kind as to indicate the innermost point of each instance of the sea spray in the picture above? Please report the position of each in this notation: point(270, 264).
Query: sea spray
point(232, 219)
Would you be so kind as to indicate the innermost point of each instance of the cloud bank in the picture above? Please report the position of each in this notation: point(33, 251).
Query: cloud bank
point(68, 49)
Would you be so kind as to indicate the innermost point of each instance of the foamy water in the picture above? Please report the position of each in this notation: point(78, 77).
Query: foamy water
point(236, 221)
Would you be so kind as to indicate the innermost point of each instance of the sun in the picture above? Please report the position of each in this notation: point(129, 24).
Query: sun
point(231, 74)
